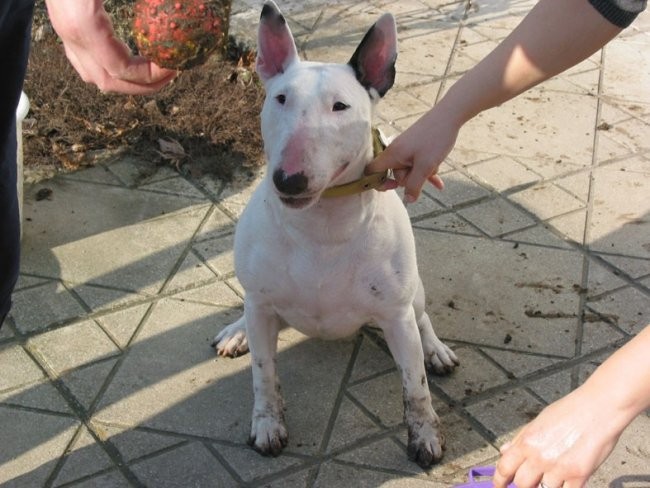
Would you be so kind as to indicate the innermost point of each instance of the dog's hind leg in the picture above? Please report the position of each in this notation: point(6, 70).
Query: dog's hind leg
point(232, 340)
point(438, 357)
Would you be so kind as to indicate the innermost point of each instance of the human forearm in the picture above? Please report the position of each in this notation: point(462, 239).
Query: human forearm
point(623, 380)
point(572, 436)
point(553, 37)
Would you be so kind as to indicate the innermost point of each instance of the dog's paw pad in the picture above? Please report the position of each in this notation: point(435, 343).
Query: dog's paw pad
point(443, 361)
point(231, 342)
point(425, 450)
point(268, 436)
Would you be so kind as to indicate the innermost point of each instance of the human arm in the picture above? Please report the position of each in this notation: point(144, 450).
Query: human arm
point(553, 37)
point(573, 436)
point(97, 54)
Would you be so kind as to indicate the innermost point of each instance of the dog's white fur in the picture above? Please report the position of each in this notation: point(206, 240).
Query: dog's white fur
point(327, 266)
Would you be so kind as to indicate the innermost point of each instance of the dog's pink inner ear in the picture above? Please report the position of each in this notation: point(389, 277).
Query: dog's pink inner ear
point(374, 60)
point(276, 48)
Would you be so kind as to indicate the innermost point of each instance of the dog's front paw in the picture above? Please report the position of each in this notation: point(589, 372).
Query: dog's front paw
point(268, 435)
point(426, 444)
point(442, 360)
point(232, 341)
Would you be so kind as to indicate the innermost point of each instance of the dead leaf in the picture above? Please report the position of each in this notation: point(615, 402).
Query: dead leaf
point(172, 150)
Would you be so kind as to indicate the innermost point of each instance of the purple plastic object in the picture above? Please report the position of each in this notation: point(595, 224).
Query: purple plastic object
point(481, 472)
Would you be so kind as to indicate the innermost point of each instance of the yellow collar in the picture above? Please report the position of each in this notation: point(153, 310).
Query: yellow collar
point(366, 182)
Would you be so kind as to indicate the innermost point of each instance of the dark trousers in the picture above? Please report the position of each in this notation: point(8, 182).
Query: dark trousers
point(15, 28)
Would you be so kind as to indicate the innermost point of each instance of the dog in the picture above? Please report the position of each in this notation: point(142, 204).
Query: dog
point(316, 252)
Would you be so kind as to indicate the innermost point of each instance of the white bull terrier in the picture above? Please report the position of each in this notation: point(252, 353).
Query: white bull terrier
point(316, 252)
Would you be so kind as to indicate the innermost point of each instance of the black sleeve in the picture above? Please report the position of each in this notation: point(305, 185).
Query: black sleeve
point(619, 12)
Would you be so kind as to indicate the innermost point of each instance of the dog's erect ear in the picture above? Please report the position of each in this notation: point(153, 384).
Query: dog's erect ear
point(374, 60)
point(276, 48)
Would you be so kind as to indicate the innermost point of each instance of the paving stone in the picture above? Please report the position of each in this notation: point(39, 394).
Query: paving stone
point(298, 480)
point(55, 305)
point(571, 225)
point(218, 224)
point(250, 465)
point(628, 462)
point(218, 254)
point(219, 294)
point(171, 379)
point(539, 235)
point(98, 174)
point(634, 267)
point(547, 201)
point(134, 444)
point(84, 458)
point(449, 223)
point(192, 271)
point(495, 289)
point(133, 171)
point(310, 374)
point(496, 217)
point(423, 206)
point(73, 346)
point(554, 387)
point(85, 383)
point(41, 395)
point(627, 52)
point(427, 93)
point(351, 425)
point(333, 474)
point(370, 361)
point(628, 308)
point(32, 453)
point(602, 280)
point(621, 209)
point(520, 406)
point(112, 479)
point(459, 189)
point(503, 173)
point(176, 186)
point(187, 466)
point(519, 364)
point(112, 236)
point(382, 398)
point(122, 325)
point(101, 298)
point(17, 367)
point(385, 454)
point(475, 374)
point(498, 131)
point(577, 185)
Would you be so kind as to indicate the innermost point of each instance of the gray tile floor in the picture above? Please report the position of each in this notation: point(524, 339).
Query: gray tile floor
point(536, 259)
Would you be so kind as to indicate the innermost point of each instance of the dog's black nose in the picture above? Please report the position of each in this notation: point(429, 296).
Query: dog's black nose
point(294, 184)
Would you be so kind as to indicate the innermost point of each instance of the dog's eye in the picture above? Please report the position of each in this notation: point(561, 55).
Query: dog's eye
point(281, 99)
point(339, 106)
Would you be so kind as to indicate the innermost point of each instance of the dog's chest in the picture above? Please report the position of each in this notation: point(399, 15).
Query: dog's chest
point(322, 292)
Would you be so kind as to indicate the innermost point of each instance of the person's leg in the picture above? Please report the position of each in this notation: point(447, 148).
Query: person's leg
point(15, 28)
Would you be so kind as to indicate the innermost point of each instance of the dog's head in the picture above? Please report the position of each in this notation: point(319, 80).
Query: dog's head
point(316, 119)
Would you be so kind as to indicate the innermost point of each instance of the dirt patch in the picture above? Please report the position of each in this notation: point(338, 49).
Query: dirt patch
point(207, 119)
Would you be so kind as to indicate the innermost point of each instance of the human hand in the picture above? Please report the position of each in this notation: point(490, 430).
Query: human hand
point(415, 155)
point(97, 54)
point(562, 447)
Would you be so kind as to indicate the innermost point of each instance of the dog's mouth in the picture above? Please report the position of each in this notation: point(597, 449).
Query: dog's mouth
point(303, 201)
point(297, 202)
